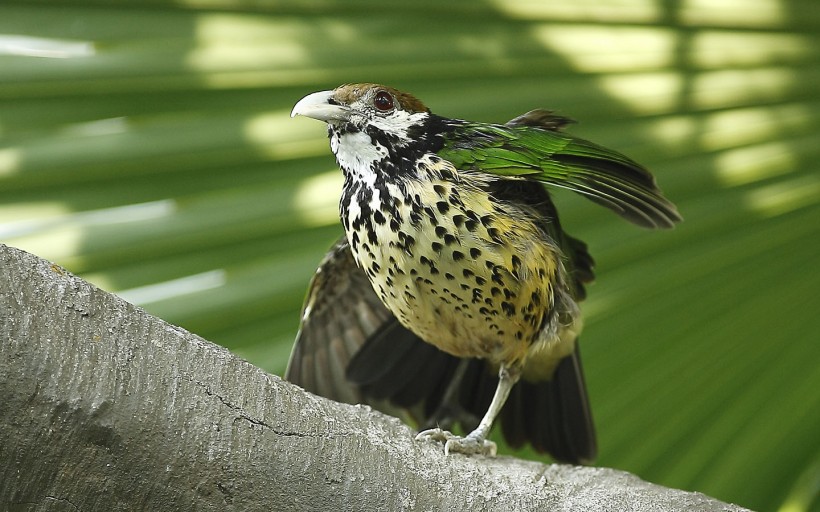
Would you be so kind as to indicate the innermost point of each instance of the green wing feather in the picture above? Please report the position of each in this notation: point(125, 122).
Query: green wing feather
point(530, 147)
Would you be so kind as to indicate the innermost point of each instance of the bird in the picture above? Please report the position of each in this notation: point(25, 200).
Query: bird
point(452, 298)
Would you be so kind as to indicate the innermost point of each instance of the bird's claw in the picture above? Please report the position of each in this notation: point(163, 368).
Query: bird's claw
point(468, 445)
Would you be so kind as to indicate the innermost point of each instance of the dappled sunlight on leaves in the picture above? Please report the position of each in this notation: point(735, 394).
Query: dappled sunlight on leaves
point(148, 147)
point(317, 198)
point(785, 196)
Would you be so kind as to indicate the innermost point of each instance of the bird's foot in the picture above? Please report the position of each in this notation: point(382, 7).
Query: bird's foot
point(468, 445)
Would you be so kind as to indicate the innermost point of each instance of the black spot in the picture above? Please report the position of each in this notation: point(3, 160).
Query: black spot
point(508, 308)
point(454, 199)
point(441, 231)
point(465, 286)
point(378, 217)
point(495, 291)
point(486, 220)
point(489, 264)
point(458, 220)
point(480, 281)
point(471, 225)
point(484, 311)
point(442, 206)
point(536, 298)
point(474, 252)
point(375, 266)
point(437, 247)
point(449, 276)
point(458, 255)
point(394, 225)
point(433, 270)
point(440, 190)
point(495, 235)
point(467, 272)
point(430, 213)
point(413, 272)
point(516, 262)
point(450, 239)
point(447, 174)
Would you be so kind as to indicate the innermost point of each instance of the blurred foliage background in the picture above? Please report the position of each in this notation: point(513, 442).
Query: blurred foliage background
point(146, 146)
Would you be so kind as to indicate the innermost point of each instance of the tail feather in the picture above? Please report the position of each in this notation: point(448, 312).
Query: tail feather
point(554, 416)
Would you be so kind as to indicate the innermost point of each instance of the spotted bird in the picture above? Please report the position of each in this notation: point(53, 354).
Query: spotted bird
point(453, 296)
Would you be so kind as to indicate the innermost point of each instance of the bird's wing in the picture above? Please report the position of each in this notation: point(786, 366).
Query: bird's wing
point(351, 349)
point(340, 313)
point(532, 147)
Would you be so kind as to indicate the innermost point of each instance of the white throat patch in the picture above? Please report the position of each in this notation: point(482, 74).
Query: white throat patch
point(356, 153)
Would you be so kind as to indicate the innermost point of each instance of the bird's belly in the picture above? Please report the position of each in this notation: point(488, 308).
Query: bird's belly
point(461, 279)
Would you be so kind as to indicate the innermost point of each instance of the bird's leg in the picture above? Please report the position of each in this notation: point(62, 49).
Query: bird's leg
point(476, 441)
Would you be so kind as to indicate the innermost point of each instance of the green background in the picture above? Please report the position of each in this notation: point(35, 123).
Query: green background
point(146, 146)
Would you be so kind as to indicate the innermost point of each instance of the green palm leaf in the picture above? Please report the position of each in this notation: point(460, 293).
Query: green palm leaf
point(147, 147)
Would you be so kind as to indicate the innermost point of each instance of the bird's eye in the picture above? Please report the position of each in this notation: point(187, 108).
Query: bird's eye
point(383, 101)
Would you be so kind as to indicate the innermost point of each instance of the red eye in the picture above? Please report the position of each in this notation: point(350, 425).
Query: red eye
point(383, 101)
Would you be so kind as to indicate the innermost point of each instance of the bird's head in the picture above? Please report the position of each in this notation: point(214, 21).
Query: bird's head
point(364, 108)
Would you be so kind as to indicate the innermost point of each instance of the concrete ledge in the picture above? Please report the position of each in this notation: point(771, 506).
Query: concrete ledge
point(105, 407)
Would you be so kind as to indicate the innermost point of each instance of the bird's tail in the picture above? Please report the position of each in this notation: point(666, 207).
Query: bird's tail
point(438, 389)
point(554, 415)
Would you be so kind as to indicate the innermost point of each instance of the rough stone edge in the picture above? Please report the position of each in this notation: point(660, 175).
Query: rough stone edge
point(105, 407)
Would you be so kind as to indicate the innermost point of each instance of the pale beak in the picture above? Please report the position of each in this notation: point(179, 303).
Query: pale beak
point(317, 106)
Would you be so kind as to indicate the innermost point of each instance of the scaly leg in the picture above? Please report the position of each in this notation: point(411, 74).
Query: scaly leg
point(476, 441)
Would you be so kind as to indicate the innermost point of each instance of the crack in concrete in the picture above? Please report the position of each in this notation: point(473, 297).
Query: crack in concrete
point(254, 421)
point(63, 500)
point(250, 419)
